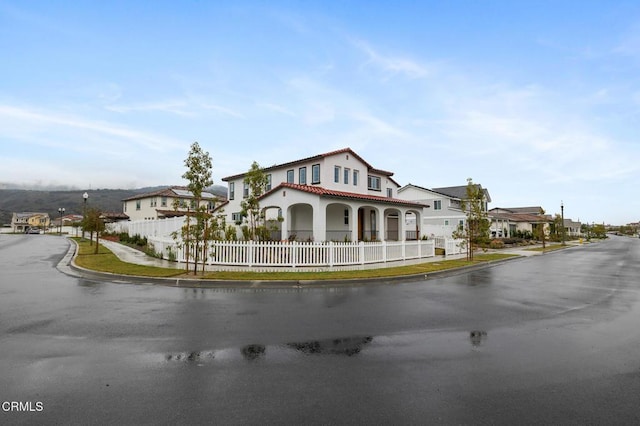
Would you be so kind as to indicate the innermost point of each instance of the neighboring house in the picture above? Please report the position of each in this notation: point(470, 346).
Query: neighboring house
point(168, 202)
point(508, 222)
point(336, 196)
point(572, 228)
point(21, 221)
point(67, 220)
point(445, 214)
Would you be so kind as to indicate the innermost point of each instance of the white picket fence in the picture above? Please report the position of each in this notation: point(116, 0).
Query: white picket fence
point(449, 245)
point(295, 254)
point(148, 228)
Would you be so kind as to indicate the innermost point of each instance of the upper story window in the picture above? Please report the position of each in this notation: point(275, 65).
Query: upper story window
point(154, 202)
point(163, 201)
point(289, 176)
point(137, 204)
point(356, 176)
point(373, 183)
point(232, 190)
point(315, 173)
point(245, 190)
point(437, 205)
point(302, 175)
point(347, 173)
point(268, 185)
point(336, 174)
point(389, 192)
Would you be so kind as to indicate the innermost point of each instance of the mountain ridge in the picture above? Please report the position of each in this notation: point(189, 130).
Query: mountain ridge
point(49, 201)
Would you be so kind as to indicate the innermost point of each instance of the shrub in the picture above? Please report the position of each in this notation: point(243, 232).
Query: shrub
point(496, 244)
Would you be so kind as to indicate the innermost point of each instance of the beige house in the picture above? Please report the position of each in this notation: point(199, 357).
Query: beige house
point(169, 202)
point(20, 222)
point(508, 222)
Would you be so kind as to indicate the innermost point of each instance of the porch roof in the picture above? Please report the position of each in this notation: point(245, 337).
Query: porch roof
point(329, 193)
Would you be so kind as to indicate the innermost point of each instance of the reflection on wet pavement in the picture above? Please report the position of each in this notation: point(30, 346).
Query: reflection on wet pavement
point(348, 346)
point(344, 346)
point(477, 336)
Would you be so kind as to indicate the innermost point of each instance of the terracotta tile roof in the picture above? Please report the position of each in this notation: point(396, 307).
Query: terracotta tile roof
point(323, 192)
point(316, 157)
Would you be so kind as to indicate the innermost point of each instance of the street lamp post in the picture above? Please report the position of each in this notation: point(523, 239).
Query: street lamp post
point(562, 216)
point(85, 197)
point(61, 211)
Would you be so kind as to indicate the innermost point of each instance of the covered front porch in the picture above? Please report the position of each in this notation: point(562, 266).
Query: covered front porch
point(308, 217)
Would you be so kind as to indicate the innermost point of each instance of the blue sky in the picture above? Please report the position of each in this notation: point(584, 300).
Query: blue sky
point(537, 101)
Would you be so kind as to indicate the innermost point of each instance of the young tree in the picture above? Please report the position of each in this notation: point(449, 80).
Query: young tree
point(93, 223)
point(476, 229)
point(256, 180)
point(541, 233)
point(198, 174)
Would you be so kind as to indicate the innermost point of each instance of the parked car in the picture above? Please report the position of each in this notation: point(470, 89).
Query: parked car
point(32, 231)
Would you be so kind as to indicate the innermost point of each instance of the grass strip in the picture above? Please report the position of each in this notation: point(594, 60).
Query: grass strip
point(106, 261)
point(420, 268)
point(552, 247)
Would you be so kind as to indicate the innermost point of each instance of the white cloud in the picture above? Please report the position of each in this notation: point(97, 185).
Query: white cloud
point(35, 125)
point(392, 64)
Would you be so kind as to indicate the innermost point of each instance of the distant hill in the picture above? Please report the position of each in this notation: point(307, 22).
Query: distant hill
point(107, 200)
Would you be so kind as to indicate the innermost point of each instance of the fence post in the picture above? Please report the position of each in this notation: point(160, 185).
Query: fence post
point(331, 250)
point(294, 253)
point(361, 252)
point(384, 251)
point(250, 252)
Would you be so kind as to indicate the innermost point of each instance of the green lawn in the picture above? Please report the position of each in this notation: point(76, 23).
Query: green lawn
point(106, 261)
point(551, 247)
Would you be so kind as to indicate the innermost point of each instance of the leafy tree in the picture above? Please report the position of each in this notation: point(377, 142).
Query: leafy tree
point(476, 229)
point(256, 180)
point(198, 174)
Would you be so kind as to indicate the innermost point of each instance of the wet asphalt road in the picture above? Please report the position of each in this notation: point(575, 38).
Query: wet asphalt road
point(544, 340)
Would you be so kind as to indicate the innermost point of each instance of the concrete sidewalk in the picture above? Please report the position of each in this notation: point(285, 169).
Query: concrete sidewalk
point(130, 255)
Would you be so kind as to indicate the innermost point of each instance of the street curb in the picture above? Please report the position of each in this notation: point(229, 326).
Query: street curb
point(265, 284)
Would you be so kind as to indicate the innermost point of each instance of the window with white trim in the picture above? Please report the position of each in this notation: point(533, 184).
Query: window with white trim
point(315, 173)
point(290, 176)
point(347, 173)
point(302, 175)
point(336, 174)
point(373, 183)
point(437, 204)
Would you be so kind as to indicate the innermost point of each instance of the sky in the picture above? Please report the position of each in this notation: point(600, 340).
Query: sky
point(538, 101)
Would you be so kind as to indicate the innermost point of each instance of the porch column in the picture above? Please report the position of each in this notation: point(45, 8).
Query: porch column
point(319, 222)
point(402, 225)
point(381, 225)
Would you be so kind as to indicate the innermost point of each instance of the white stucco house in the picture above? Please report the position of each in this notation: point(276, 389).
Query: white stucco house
point(445, 214)
point(169, 202)
point(335, 196)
